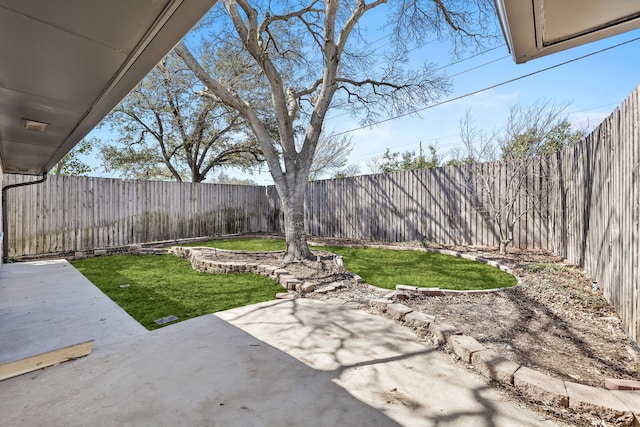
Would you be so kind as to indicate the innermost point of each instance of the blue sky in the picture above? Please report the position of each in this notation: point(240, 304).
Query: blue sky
point(593, 87)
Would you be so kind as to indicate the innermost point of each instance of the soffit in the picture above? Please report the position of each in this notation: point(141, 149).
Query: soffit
point(541, 27)
point(69, 62)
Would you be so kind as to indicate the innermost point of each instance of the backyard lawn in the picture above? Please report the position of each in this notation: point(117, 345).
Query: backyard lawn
point(151, 287)
point(249, 244)
point(166, 285)
point(387, 268)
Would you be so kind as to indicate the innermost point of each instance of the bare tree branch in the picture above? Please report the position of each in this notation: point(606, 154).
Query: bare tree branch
point(312, 56)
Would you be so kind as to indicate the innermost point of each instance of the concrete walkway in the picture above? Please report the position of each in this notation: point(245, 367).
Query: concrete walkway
point(280, 363)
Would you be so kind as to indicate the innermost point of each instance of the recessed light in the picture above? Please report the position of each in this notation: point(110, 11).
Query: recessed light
point(34, 125)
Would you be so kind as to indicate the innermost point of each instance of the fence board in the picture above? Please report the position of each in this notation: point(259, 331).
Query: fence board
point(68, 214)
point(598, 199)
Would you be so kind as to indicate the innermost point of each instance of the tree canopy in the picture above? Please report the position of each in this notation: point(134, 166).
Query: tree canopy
point(404, 161)
point(314, 56)
point(539, 129)
point(166, 130)
point(330, 157)
point(72, 163)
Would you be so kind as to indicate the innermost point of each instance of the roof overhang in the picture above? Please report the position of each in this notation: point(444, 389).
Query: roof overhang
point(535, 28)
point(67, 63)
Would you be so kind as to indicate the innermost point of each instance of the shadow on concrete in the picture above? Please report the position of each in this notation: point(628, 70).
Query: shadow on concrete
point(380, 363)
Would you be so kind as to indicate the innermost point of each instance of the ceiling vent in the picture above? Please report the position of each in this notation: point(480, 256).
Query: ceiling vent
point(34, 125)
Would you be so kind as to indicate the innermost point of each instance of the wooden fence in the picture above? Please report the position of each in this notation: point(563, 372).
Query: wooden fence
point(595, 217)
point(442, 205)
point(67, 214)
point(586, 209)
point(449, 205)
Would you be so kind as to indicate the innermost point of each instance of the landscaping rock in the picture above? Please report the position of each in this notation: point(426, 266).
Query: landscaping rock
point(491, 365)
point(584, 398)
point(262, 268)
point(270, 270)
point(99, 252)
point(279, 272)
point(285, 295)
point(431, 292)
point(616, 384)
point(443, 330)
point(236, 267)
point(305, 288)
point(541, 387)
point(401, 296)
point(80, 255)
point(398, 311)
point(419, 320)
point(289, 282)
point(380, 304)
point(407, 288)
point(464, 346)
point(340, 284)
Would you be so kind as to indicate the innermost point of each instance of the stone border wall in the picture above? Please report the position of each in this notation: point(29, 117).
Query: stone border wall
point(202, 260)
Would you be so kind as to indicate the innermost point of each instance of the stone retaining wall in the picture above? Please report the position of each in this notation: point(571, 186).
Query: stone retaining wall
point(202, 260)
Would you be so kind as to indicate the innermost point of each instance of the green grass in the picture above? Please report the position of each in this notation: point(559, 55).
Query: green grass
point(249, 245)
point(387, 268)
point(166, 285)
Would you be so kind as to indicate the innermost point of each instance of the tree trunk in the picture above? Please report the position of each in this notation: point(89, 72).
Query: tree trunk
point(503, 246)
point(504, 242)
point(295, 234)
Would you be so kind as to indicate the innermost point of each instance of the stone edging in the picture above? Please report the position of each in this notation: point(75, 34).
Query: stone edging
point(202, 260)
point(615, 403)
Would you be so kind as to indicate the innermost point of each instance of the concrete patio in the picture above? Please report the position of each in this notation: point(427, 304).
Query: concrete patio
point(283, 363)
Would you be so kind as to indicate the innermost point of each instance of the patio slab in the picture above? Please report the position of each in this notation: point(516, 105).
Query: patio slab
point(286, 363)
point(46, 305)
point(381, 364)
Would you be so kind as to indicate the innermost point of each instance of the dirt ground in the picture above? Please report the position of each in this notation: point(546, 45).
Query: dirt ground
point(552, 321)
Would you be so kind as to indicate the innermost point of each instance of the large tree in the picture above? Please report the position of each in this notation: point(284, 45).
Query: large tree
point(317, 55)
point(165, 130)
